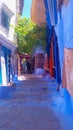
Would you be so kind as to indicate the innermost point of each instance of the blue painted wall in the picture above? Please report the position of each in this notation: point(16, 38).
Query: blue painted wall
point(0, 75)
point(7, 52)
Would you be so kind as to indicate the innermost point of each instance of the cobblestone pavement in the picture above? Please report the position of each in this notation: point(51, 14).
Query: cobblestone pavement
point(34, 104)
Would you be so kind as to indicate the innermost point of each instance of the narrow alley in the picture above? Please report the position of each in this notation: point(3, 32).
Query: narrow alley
point(34, 104)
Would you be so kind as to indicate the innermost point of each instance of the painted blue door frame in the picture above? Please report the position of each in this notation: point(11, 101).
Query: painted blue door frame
point(7, 56)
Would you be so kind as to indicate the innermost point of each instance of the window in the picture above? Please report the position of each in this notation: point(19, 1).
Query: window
point(5, 20)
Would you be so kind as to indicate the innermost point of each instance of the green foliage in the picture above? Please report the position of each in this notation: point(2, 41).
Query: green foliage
point(29, 35)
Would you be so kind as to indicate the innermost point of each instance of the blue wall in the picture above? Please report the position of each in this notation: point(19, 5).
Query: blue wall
point(0, 75)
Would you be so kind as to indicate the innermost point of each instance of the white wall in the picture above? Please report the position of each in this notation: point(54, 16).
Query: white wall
point(11, 4)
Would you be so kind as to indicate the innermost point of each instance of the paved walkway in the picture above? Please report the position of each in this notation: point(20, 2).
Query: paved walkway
point(34, 104)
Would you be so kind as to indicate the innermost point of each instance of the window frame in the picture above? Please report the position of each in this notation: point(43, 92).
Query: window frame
point(9, 13)
point(5, 18)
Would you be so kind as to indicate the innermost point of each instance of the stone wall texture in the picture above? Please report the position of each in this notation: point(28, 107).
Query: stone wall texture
point(38, 12)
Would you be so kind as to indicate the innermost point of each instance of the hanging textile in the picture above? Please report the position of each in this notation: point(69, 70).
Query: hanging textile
point(51, 61)
point(51, 39)
point(52, 7)
point(49, 32)
point(54, 61)
point(46, 64)
point(57, 60)
point(48, 21)
point(49, 48)
point(51, 21)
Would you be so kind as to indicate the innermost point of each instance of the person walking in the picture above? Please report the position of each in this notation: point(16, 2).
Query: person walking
point(28, 64)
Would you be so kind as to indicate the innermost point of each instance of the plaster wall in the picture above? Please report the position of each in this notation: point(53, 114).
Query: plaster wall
point(38, 12)
point(65, 39)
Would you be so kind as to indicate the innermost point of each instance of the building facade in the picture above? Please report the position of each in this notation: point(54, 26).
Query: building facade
point(59, 17)
point(38, 12)
point(8, 16)
point(19, 6)
point(65, 39)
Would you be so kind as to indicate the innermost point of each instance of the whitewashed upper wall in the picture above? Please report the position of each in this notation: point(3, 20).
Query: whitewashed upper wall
point(11, 4)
